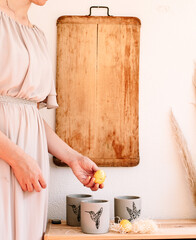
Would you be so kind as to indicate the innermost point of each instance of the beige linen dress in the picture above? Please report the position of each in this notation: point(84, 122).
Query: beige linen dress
point(26, 77)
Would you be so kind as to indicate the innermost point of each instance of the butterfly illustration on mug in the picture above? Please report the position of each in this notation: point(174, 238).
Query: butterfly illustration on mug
point(133, 213)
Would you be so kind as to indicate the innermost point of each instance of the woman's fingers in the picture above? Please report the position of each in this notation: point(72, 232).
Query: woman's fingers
point(42, 182)
point(29, 187)
point(91, 183)
point(24, 187)
point(95, 187)
point(36, 186)
point(95, 167)
point(86, 181)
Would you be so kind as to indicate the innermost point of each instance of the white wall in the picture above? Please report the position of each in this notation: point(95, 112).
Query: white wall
point(167, 54)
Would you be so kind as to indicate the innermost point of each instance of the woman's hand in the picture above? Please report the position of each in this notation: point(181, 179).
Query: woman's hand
point(25, 168)
point(84, 169)
point(29, 175)
point(81, 166)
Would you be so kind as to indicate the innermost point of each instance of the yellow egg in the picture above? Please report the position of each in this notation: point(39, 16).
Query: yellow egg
point(126, 225)
point(99, 176)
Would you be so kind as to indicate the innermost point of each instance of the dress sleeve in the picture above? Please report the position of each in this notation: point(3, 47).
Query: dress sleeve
point(51, 98)
point(50, 101)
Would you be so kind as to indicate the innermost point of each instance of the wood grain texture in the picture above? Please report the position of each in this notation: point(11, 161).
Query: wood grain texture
point(76, 84)
point(168, 229)
point(98, 87)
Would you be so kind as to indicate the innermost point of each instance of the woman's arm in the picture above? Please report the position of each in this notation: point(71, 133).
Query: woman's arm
point(81, 166)
point(25, 168)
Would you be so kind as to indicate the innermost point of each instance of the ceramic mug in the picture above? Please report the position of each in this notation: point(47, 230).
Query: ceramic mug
point(95, 216)
point(73, 207)
point(127, 207)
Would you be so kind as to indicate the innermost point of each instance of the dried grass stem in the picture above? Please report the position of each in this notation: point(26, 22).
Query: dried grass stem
point(185, 156)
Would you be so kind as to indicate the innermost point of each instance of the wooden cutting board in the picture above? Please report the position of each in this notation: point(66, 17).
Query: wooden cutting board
point(168, 229)
point(98, 87)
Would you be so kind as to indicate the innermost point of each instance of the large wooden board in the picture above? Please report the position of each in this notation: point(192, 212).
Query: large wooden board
point(168, 229)
point(98, 87)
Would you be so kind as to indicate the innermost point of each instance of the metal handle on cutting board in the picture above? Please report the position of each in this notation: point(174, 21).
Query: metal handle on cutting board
point(99, 7)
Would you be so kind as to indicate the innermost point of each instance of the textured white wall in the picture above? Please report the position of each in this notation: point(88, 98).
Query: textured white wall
point(168, 51)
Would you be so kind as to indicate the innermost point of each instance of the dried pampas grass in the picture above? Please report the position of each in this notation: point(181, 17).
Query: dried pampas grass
point(142, 226)
point(185, 156)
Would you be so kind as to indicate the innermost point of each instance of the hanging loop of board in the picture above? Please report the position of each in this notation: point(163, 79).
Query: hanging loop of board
point(99, 7)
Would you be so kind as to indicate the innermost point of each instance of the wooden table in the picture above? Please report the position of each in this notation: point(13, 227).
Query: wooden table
point(168, 229)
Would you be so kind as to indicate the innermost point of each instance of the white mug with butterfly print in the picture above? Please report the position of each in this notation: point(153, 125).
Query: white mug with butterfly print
point(95, 216)
point(127, 207)
point(73, 208)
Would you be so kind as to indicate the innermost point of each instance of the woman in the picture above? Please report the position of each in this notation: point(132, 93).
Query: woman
point(26, 79)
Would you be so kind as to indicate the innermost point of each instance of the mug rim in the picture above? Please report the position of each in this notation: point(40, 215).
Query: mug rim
point(79, 195)
point(94, 201)
point(127, 197)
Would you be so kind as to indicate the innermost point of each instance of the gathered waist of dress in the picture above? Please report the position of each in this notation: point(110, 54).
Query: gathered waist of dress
point(10, 99)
